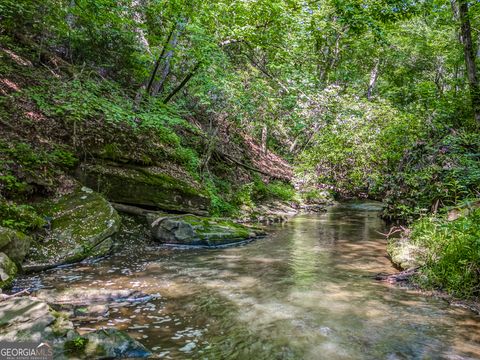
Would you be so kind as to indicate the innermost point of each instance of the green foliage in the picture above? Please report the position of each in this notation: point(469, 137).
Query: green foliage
point(451, 252)
point(243, 196)
point(313, 196)
point(438, 172)
point(257, 191)
point(217, 190)
point(188, 158)
point(273, 190)
point(359, 144)
point(19, 217)
point(23, 168)
point(75, 345)
point(82, 99)
point(227, 201)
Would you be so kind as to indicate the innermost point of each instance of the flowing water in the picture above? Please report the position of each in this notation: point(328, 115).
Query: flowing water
point(304, 292)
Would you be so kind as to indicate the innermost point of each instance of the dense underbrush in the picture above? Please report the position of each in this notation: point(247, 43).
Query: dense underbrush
point(450, 253)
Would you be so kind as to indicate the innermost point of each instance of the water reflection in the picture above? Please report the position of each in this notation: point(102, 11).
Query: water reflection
point(306, 292)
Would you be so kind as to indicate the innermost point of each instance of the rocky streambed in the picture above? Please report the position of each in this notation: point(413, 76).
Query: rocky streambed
point(306, 289)
point(82, 227)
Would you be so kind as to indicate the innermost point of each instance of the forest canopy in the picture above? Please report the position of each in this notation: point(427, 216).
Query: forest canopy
point(363, 97)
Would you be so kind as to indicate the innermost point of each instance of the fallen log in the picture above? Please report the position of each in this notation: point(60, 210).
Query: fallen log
point(133, 210)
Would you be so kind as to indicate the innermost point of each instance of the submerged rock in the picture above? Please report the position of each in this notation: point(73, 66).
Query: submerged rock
point(30, 319)
point(146, 186)
point(106, 344)
point(82, 226)
point(8, 270)
point(85, 296)
point(196, 230)
point(14, 244)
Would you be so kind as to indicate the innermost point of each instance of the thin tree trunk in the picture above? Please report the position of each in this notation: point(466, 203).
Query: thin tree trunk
point(158, 62)
point(172, 44)
point(469, 53)
point(211, 145)
point(138, 19)
point(182, 84)
point(373, 79)
point(264, 139)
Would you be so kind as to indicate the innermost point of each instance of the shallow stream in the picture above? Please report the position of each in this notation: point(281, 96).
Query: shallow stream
point(304, 292)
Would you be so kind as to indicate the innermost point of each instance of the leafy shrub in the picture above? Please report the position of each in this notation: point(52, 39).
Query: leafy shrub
point(315, 195)
point(452, 253)
point(187, 157)
point(257, 191)
point(274, 190)
point(435, 174)
point(358, 143)
point(22, 168)
point(217, 190)
point(19, 217)
point(243, 196)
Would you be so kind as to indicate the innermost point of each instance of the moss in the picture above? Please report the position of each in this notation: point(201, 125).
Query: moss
point(15, 244)
point(8, 270)
point(196, 230)
point(76, 345)
point(146, 187)
point(81, 224)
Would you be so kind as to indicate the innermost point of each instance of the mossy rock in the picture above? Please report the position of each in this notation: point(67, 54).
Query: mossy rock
point(8, 270)
point(145, 186)
point(403, 253)
point(196, 230)
point(106, 344)
point(82, 226)
point(14, 243)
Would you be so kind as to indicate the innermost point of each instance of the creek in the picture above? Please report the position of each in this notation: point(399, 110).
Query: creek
point(306, 291)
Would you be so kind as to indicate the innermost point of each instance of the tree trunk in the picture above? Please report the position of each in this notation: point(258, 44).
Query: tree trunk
point(172, 44)
point(182, 84)
point(138, 20)
point(469, 54)
point(158, 62)
point(373, 79)
point(264, 139)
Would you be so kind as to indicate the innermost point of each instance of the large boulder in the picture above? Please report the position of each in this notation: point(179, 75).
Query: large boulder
point(146, 186)
point(14, 244)
point(82, 226)
point(8, 270)
point(196, 230)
